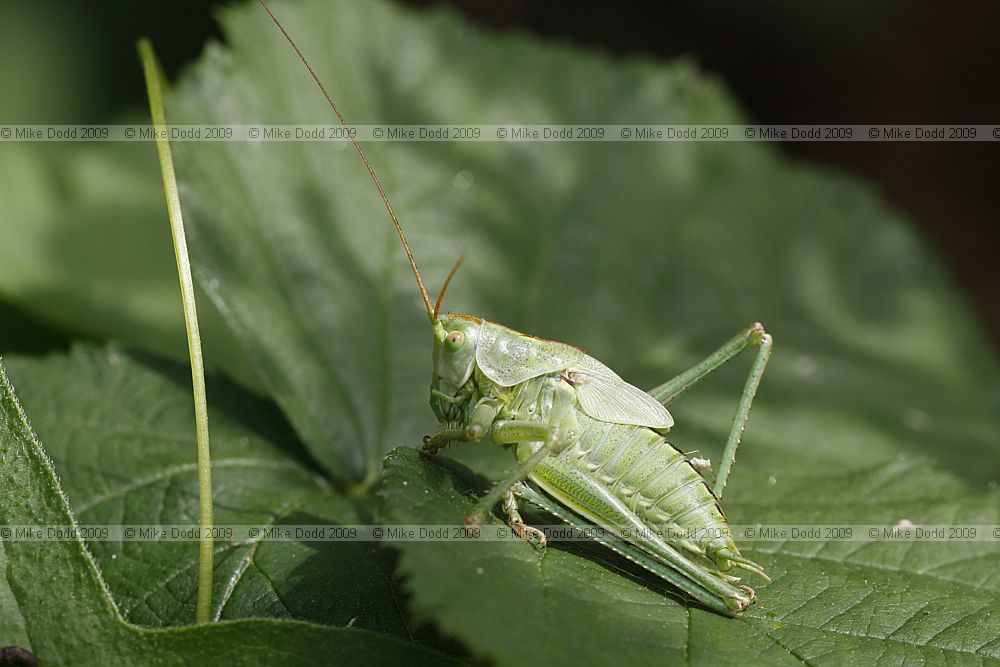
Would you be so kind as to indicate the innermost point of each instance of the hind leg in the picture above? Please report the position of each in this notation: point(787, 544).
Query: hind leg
point(755, 336)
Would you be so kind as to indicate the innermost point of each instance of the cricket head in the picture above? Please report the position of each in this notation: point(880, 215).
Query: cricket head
point(455, 340)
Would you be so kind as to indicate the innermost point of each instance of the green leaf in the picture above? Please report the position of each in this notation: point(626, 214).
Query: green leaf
point(646, 254)
point(120, 432)
point(86, 245)
point(54, 603)
point(87, 248)
point(893, 602)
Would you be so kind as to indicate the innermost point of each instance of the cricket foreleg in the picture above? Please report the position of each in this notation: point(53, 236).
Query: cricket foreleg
point(508, 433)
point(524, 531)
point(556, 431)
point(665, 393)
point(480, 419)
point(435, 443)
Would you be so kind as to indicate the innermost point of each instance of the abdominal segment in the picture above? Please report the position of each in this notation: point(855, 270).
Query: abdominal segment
point(654, 481)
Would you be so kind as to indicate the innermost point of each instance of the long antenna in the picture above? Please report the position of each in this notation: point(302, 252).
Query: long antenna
point(385, 200)
point(447, 281)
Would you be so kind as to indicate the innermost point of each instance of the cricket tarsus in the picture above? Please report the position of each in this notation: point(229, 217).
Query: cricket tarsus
point(371, 171)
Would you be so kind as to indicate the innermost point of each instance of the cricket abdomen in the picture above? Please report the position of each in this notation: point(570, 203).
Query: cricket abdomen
point(656, 481)
point(653, 484)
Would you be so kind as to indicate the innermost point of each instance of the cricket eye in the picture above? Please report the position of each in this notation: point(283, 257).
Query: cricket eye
point(454, 341)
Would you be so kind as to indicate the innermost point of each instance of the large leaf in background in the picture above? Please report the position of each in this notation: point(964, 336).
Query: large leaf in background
point(85, 241)
point(646, 254)
point(874, 602)
point(87, 247)
point(120, 433)
point(54, 603)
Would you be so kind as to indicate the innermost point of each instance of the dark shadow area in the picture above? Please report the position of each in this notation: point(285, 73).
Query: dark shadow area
point(226, 397)
point(364, 568)
point(21, 333)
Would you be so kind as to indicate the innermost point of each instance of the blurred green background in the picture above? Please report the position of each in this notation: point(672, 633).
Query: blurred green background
point(879, 368)
point(849, 62)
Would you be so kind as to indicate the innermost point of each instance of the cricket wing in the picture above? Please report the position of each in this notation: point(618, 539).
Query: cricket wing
point(603, 395)
point(509, 357)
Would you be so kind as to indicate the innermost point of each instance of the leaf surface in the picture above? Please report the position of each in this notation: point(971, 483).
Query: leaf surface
point(648, 255)
point(55, 603)
point(868, 602)
point(119, 431)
